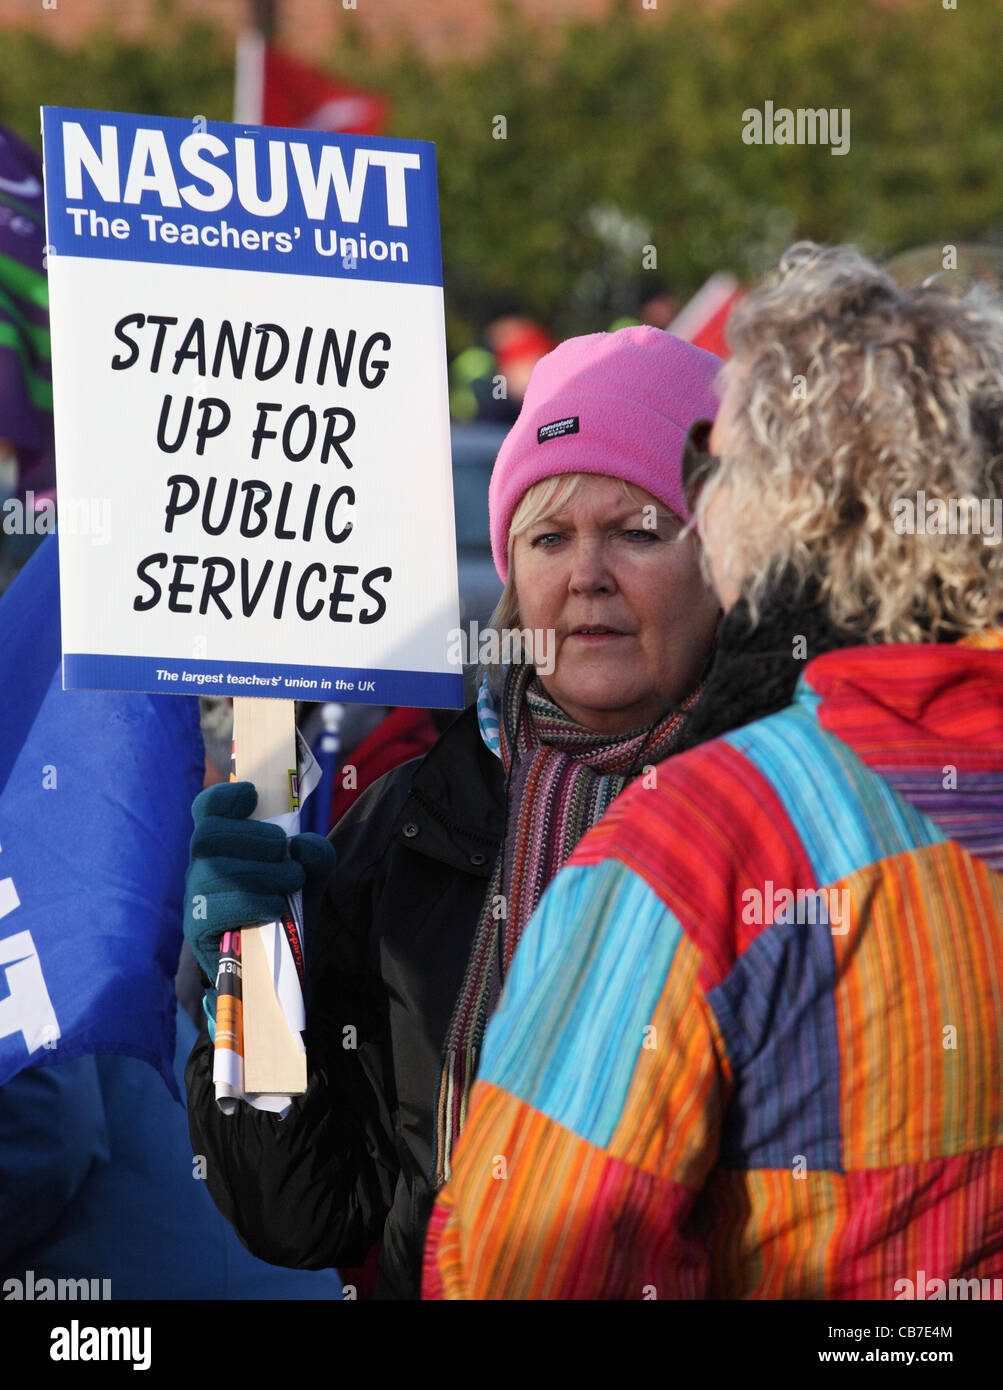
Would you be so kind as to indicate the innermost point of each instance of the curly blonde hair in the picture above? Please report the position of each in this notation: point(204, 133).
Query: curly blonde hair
point(852, 394)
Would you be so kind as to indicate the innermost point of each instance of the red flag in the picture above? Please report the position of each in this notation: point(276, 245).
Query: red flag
point(274, 89)
point(702, 321)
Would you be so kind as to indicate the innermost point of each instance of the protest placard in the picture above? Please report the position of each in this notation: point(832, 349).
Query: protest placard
point(249, 376)
point(252, 447)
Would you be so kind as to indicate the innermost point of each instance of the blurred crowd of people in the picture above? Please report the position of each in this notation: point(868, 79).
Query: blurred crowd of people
point(488, 380)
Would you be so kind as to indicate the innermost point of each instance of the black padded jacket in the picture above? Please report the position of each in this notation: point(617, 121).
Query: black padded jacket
point(351, 1162)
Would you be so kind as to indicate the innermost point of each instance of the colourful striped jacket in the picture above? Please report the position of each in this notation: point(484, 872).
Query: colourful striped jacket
point(751, 1042)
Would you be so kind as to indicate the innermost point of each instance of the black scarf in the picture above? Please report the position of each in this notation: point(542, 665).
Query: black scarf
point(755, 669)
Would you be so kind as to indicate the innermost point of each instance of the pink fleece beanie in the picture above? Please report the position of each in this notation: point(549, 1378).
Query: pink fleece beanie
point(612, 403)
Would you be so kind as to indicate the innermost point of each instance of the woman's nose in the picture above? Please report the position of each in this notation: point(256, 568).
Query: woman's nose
point(590, 572)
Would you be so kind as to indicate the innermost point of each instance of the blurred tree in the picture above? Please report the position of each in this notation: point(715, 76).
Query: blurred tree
point(626, 133)
point(182, 67)
point(635, 122)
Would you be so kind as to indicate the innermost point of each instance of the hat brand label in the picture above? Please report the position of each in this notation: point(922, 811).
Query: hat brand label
point(569, 425)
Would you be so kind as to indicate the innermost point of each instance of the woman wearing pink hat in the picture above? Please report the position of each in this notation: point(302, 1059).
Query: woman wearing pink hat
point(441, 863)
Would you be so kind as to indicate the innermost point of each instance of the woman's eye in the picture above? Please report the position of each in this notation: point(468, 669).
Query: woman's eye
point(545, 538)
point(643, 534)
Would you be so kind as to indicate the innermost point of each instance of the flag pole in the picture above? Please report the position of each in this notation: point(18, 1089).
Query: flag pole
point(264, 731)
point(249, 69)
point(249, 78)
point(266, 18)
point(264, 752)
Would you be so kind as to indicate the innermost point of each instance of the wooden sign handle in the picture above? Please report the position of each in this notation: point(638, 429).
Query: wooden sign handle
point(264, 752)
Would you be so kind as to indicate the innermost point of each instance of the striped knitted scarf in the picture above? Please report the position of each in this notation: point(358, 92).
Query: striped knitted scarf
point(560, 779)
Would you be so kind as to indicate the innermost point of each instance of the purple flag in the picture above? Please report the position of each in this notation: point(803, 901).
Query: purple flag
point(25, 367)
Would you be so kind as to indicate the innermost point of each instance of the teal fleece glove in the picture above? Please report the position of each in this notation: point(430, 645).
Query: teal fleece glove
point(240, 874)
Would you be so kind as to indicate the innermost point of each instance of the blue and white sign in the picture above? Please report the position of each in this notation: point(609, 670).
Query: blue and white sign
point(252, 427)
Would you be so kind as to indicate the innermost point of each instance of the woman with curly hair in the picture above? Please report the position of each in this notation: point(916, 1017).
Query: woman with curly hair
point(751, 1042)
point(609, 627)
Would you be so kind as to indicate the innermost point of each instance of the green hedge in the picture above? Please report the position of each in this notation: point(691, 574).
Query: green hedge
point(628, 132)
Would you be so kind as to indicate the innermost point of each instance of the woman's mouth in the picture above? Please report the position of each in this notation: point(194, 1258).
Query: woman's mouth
point(595, 634)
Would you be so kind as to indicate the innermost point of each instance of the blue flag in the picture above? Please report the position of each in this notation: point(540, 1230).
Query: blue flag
point(315, 812)
point(95, 797)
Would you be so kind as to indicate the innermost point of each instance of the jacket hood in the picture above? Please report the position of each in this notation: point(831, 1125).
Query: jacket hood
point(928, 718)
